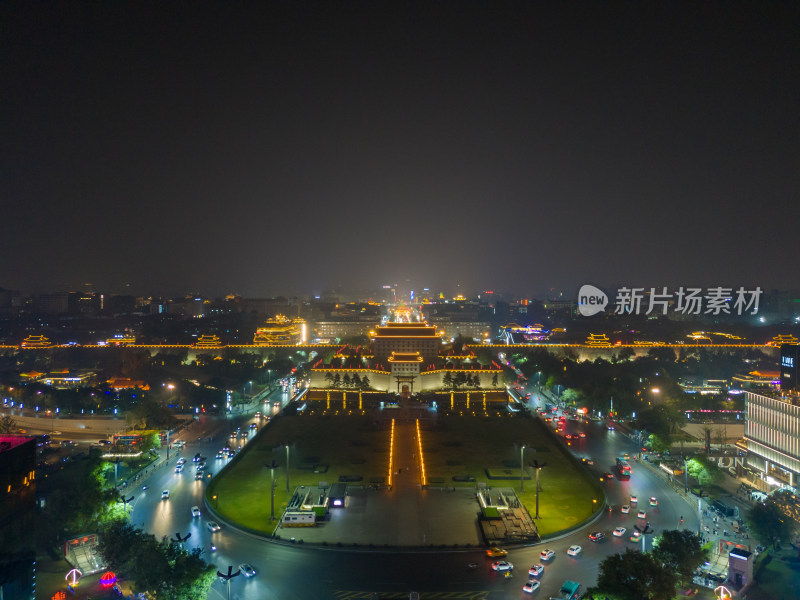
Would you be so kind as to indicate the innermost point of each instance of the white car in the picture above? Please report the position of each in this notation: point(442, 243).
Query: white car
point(213, 526)
point(641, 515)
point(195, 511)
point(179, 469)
point(625, 509)
point(502, 565)
point(653, 501)
point(574, 550)
point(547, 554)
point(536, 571)
point(181, 461)
point(165, 495)
point(634, 500)
point(619, 531)
point(531, 586)
point(247, 570)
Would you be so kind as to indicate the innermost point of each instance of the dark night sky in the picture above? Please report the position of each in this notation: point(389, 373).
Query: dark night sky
point(277, 147)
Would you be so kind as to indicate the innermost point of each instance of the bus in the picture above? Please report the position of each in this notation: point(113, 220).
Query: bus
point(623, 467)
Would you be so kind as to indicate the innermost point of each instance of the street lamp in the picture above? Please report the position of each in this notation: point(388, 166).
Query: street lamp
point(287, 466)
point(538, 466)
point(521, 468)
point(179, 539)
point(594, 505)
point(125, 501)
point(271, 466)
point(228, 578)
point(646, 530)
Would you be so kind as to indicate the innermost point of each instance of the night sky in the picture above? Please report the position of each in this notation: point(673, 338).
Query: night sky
point(265, 148)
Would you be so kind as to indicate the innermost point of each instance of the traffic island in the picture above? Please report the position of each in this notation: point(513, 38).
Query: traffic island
point(410, 482)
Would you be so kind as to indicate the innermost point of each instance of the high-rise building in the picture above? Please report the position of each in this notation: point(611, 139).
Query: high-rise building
point(772, 437)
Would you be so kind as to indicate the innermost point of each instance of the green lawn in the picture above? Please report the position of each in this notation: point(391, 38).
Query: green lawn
point(471, 445)
point(337, 445)
point(357, 445)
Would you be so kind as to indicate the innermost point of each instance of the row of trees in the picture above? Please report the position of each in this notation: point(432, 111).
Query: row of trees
point(162, 568)
point(654, 575)
point(462, 379)
point(355, 381)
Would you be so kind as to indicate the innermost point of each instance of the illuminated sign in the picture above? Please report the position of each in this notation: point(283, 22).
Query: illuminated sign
point(787, 361)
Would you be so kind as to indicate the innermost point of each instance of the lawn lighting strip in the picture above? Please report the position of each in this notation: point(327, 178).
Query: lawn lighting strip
point(421, 457)
point(391, 453)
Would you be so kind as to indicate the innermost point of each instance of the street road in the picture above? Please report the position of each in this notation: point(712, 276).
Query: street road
point(289, 572)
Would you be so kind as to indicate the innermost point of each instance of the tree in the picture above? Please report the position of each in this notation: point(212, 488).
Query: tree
point(8, 424)
point(571, 396)
point(447, 380)
point(329, 378)
point(769, 523)
point(161, 568)
point(476, 381)
point(346, 381)
point(150, 442)
point(634, 576)
point(460, 379)
point(365, 383)
point(681, 551)
point(494, 380)
point(656, 444)
point(705, 471)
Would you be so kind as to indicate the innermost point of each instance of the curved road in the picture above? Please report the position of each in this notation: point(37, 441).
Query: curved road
point(289, 572)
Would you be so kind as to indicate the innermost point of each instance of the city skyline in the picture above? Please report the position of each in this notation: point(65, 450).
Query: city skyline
point(275, 149)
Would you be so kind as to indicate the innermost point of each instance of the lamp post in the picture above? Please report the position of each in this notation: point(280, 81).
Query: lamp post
point(228, 578)
point(646, 530)
point(179, 539)
point(116, 464)
point(272, 466)
point(538, 466)
point(126, 501)
point(522, 468)
point(287, 466)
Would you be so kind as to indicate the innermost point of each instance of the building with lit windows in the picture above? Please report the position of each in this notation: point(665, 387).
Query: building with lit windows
point(281, 330)
point(772, 437)
point(405, 337)
point(404, 367)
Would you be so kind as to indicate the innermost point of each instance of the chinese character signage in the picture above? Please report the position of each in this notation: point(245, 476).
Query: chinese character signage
point(659, 301)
